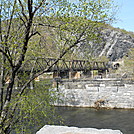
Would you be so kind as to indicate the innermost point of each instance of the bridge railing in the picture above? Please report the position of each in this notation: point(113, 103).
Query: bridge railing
point(62, 65)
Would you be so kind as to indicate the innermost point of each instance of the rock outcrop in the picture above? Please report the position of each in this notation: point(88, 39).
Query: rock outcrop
point(74, 130)
point(114, 44)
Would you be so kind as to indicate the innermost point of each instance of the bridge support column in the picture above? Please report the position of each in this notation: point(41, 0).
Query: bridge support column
point(92, 74)
point(70, 75)
point(74, 75)
point(55, 74)
point(106, 73)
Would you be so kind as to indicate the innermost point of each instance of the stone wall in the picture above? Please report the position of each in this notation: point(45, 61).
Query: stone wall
point(99, 93)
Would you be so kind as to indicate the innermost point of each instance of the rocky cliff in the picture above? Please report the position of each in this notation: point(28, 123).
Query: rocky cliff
point(114, 44)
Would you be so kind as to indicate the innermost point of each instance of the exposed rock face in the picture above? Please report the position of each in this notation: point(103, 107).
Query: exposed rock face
point(74, 130)
point(115, 44)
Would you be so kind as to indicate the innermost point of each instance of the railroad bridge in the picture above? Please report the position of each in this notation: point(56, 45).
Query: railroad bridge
point(62, 66)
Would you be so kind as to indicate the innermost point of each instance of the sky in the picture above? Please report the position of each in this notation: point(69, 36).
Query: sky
point(125, 15)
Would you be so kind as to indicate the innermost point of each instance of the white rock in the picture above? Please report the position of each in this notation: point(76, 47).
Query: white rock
point(48, 129)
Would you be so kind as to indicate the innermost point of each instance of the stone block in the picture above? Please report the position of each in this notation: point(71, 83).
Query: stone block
point(47, 129)
point(92, 89)
point(129, 85)
point(102, 85)
point(115, 89)
point(121, 89)
point(126, 94)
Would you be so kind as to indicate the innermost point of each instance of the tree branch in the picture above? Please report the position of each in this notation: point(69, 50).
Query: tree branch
point(8, 58)
point(36, 8)
point(34, 34)
point(10, 21)
point(48, 25)
point(22, 20)
point(23, 10)
point(30, 9)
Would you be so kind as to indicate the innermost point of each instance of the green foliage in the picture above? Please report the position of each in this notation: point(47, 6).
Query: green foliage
point(128, 66)
point(40, 28)
point(129, 61)
point(121, 30)
point(35, 109)
point(127, 32)
point(101, 59)
point(70, 23)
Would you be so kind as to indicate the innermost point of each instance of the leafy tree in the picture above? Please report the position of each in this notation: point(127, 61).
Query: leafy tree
point(127, 68)
point(34, 106)
point(65, 25)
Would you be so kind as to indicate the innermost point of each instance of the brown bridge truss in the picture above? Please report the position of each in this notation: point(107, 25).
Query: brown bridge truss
point(62, 65)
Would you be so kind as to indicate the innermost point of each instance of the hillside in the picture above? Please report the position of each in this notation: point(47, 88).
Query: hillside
point(114, 44)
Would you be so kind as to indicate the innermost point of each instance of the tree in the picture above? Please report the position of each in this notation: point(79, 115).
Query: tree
point(67, 25)
point(35, 110)
point(127, 66)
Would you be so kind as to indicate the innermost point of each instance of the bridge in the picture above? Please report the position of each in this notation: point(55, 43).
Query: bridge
point(62, 65)
point(61, 68)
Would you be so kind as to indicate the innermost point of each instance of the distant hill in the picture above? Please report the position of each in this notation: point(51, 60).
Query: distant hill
point(114, 44)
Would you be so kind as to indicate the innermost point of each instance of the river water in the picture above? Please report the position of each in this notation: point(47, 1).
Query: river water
point(102, 118)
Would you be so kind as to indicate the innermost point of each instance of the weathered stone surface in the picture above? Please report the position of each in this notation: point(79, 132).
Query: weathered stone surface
point(113, 96)
point(115, 44)
point(74, 130)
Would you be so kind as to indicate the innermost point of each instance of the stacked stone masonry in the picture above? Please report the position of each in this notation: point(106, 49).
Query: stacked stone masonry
point(103, 93)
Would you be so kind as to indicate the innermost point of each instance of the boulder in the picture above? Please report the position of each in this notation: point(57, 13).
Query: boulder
point(48, 129)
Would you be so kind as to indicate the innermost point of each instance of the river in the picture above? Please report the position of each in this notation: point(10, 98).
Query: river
point(102, 118)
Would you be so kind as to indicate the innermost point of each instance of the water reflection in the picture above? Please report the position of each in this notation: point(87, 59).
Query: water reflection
point(88, 117)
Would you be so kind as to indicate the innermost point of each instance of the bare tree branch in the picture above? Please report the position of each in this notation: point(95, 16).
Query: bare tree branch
point(7, 56)
point(30, 8)
point(48, 25)
point(22, 6)
point(10, 21)
point(36, 8)
point(32, 34)
point(22, 20)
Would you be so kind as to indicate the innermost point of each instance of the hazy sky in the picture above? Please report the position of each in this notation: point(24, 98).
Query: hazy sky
point(125, 15)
